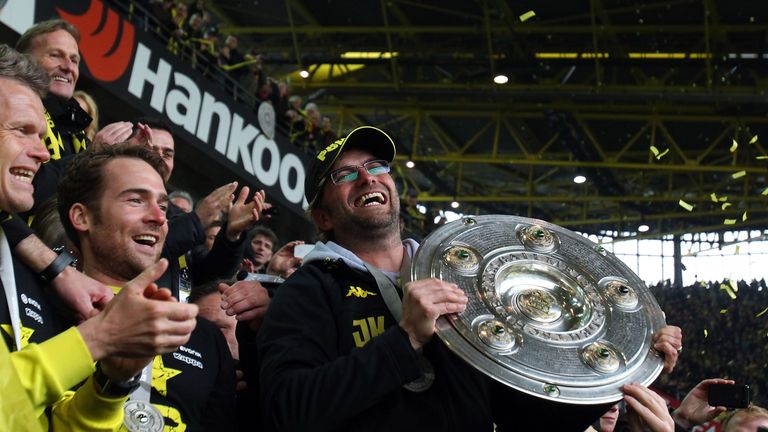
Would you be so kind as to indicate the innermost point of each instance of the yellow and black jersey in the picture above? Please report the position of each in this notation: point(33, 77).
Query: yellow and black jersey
point(194, 386)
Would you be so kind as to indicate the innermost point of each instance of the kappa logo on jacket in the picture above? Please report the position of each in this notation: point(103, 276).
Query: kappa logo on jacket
point(359, 292)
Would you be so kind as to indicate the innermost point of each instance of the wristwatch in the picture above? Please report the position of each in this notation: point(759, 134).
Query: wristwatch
point(108, 387)
point(57, 266)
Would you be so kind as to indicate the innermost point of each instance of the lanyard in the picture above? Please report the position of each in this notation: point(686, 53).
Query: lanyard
point(388, 292)
point(395, 305)
point(9, 287)
point(142, 393)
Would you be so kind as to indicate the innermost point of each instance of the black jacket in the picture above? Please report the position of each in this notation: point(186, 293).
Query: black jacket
point(334, 359)
point(64, 138)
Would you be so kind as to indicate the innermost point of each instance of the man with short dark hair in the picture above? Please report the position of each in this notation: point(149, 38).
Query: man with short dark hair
point(103, 211)
point(261, 246)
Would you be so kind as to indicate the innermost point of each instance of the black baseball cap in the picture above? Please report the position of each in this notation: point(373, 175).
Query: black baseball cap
point(370, 138)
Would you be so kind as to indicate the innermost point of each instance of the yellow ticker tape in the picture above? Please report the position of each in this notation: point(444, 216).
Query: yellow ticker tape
point(526, 16)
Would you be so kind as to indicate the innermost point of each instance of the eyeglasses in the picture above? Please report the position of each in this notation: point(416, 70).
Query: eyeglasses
point(351, 172)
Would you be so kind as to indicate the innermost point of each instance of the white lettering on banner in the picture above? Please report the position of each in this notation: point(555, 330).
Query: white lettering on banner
point(210, 107)
point(141, 74)
point(295, 193)
point(178, 99)
point(240, 142)
point(239, 138)
point(268, 176)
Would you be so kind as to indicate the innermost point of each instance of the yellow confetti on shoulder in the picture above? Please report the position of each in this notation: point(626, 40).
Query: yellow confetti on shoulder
point(723, 198)
point(725, 206)
point(706, 333)
point(713, 197)
point(734, 146)
point(753, 140)
point(729, 221)
point(744, 216)
point(762, 312)
point(739, 174)
point(526, 16)
point(733, 285)
point(723, 311)
point(685, 205)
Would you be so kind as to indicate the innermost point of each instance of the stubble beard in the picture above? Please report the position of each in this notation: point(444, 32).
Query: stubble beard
point(120, 265)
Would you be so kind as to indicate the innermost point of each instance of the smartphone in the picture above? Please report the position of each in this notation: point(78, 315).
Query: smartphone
point(300, 251)
point(729, 395)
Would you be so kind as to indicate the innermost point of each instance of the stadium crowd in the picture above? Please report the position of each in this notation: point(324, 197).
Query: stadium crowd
point(129, 307)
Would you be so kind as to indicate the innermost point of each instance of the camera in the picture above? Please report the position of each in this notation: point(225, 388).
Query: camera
point(729, 395)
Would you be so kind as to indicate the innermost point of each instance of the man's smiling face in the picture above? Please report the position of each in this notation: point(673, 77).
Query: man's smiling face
point(57, 52)
point(368, 203)
point(127, 231)
point(22, 126)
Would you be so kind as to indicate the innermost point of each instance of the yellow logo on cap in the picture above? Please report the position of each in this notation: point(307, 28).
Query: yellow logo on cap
point(331, 147)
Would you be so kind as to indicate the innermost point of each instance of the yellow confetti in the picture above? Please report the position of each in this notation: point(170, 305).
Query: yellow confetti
point(723, 311)
point(662, 154)
point(728, 291)
point(703, 284)
point(723, 198)
point(706, 333)
point(526, 16)
point(738, 249)
point(762, 313)
point(744, 217)
point(654, 150)
point(729, 221)
point(753, 140)
point(761, 157)
point(765, 191)
point(734, 146)
point(685, 205)
point(733, 285)
point(713, 197)
point(725, 206)
point(739, 174)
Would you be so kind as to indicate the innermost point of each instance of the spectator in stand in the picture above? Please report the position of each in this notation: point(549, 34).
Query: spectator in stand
point(197, 7)
point(209, 49)
point(194, 27)
point(280, 100)
point(717, 326)
point(261, 245)
point(327, 135)
point(295, 113)
point(88, 105)
point(231, 59)
point(183, 200)
point(163, 12)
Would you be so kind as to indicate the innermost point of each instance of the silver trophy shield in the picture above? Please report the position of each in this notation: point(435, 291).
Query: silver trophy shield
point(550, 313)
